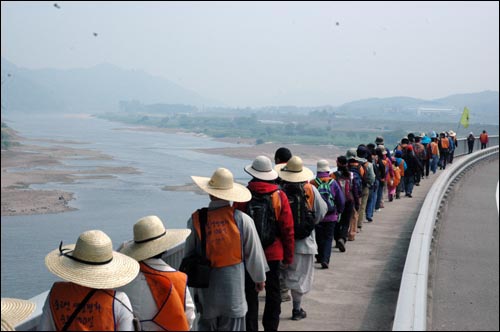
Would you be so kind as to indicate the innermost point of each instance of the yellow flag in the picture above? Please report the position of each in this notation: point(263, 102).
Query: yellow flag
point(464, 121)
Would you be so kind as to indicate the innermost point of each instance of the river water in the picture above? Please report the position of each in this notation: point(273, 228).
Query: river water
point(111, 205)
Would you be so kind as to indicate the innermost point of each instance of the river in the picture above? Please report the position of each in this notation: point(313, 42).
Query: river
point(111, 205)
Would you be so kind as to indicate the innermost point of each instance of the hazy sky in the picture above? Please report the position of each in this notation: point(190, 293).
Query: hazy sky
point(265, 53)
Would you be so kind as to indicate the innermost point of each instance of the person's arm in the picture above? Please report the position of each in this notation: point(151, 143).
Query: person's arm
point(286, 226)
point(124, 317)
point(190, 309)
point(46, 322)
point(255, 259)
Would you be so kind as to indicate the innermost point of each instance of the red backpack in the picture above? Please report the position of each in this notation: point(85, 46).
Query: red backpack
point(345, 185)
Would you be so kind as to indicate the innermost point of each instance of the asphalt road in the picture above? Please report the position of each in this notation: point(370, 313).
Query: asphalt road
point(464, 286)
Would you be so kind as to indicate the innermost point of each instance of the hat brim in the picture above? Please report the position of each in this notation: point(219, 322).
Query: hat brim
point(15, 311)
point(265, 176)
point(238, 193)
point(305, 175)
point(142, 251)
point(119, 272)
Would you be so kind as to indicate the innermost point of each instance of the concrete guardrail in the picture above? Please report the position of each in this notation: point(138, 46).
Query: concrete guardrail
point(411, 309)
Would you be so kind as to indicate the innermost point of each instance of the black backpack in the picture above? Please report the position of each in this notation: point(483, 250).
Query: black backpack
point(303, 217)
point(261, 209)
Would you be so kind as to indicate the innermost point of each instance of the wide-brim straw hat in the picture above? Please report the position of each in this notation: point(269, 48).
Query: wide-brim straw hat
point(91, 262)
point(222, 185)
point(15, 311)
point(295, 171)
point(262, 169)
point(151, 238)
point(452, 133)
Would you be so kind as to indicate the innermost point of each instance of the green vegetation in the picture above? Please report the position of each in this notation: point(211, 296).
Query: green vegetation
point(288, 125)
point(6, 137)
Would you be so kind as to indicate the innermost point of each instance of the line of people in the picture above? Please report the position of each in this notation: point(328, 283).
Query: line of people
point(267, 235)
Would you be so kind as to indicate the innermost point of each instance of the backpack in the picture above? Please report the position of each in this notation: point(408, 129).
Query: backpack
point(303, 215)
point(397, 174)
point(420, 151)
point(356, 177)
point(325, 190)
point(261, 209)
point(345, 186)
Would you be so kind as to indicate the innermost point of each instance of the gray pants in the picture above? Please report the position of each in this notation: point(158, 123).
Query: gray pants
point(222, 324)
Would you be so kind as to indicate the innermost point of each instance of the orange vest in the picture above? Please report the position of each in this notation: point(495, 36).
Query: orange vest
point(169, 293)
point(434, 149)
point(445, 143)
point(96, 315)
point(224, 245)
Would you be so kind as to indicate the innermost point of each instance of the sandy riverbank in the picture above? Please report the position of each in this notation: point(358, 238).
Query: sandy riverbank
point(27, 164)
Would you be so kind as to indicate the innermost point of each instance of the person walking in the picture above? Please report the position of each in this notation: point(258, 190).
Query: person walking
point(483, 138)
point(281, 157)
point(400, 163)
point(434, 151)
point(270, 210)
point(413, 166)
point(232, 244)
point(453, 145)
point(335, 201)
point(444, 148)
point(470, 142)
point(92, 271)
point(159, 294)
point(308, 208)
point(352, 201)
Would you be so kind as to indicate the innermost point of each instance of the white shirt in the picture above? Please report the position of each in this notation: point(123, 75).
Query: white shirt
point(123, 316)
point(142, 299)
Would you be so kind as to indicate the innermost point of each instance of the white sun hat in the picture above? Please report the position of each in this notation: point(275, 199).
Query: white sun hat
point(222, 185)
point(151, 238)
point(262, 169)
point(91, 262)
point(322, 166)
point(295, 171)
point(15, 311)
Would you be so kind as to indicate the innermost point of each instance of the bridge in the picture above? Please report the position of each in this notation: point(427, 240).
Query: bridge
point(396, 275)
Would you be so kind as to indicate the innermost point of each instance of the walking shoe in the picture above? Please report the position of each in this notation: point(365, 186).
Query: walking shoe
point(369, 219)
point(340, 245)
point(298, 314)
point(324, 265)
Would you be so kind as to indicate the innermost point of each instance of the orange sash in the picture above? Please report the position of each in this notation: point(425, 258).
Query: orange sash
point(96, 315)
point(169, 293)
point(224, 247)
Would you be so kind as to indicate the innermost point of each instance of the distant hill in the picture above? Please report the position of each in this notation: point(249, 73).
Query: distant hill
point(483, 108)
point(96, 89)
point(103, 88)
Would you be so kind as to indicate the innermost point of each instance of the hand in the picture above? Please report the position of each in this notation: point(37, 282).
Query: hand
point(284, 266)
point(259, 286)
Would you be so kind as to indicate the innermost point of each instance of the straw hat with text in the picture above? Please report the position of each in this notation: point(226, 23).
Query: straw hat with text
point(151, 238)
point(15, 311)
point(222, 185)
point(91, 262)
point(295, 171)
